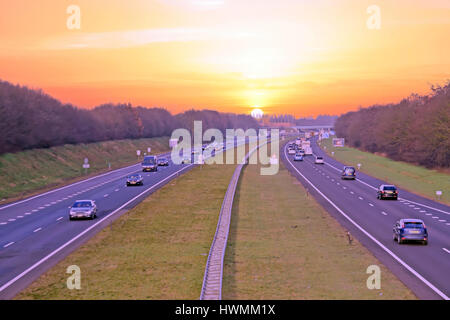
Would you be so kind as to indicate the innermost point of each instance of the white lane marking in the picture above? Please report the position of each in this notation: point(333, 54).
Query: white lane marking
point(10, 282)
point(40, 208)
point(360, 198)
point(435, 217)
point(11, 220)
point(3, 223)
point(370, 204)
point(442, 220)
point(446, 250)
point(448, 223)
point(352, 192)
point(59, 218)
point(7, 245)
point(428, 214)
point(116, 190)
point(344, 188)
point(106, 195)
point(76, 183)
point(34, 210)
point(20, 217)
point(47, 205)
point(27, 213)
point(422, 211)
point(411, 205)
point(401, 199)
point(393, 255)
point(384, 213)
point(416, 208)
point(37, 230)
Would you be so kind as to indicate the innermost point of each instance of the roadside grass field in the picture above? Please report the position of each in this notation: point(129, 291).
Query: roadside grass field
point(158, 250)
point(284, 245)
point(27, 172)
point(415, 179)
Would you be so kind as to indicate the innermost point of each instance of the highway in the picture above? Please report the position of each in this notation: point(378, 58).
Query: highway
point(425, 269)
point(36, 233)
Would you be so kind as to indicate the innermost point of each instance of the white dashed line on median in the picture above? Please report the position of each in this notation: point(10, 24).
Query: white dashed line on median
point(59, 218)
point(7, 245)
point(370, 204)
point(37, 230)
point(383, 213)
point(360, 198)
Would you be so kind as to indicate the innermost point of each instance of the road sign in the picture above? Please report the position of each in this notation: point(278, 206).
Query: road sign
point(338, 142)
point(138, 152)
point(359, 166)
point(149, 149)
point(86, 160)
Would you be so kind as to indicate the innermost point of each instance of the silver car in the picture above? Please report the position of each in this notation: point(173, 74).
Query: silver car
point(83, 209)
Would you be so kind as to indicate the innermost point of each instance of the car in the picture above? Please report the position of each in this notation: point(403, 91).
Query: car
point(298, 157)
point(410, 230)
point(348, 173)
point(163, 162)
point(83, 209)
point(386, 191)
point(319, 160)
point(291, 151)
point(186, 159)
point(150, 163)
point(301, 151)
point(135, 180)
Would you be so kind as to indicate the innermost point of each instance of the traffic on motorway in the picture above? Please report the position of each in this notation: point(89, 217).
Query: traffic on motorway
point(419, 225)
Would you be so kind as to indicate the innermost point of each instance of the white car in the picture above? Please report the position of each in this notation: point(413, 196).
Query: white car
point(291, 151)
point(319, 160)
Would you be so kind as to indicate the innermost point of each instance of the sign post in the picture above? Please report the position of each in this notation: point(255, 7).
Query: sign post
point(86, 165)
point(439, 194)
point(138, 153)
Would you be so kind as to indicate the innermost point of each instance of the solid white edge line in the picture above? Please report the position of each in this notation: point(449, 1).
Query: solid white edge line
point(410, 269)
point(71, 185)
point(446, 250)
point(10, 282)
point(404, 199)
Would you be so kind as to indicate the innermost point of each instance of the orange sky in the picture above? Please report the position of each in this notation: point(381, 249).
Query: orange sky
point(287, 56)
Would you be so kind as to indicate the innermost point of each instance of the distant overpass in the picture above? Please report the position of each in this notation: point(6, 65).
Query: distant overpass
point(312, 127)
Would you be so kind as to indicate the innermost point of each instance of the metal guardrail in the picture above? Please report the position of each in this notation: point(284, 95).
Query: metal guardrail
point(212, 280)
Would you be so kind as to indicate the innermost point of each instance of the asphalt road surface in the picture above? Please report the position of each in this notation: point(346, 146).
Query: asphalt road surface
point(36, 233)
point(425, 269)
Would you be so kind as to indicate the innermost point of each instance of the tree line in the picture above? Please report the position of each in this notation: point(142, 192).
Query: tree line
point(416, 130)
point(32, 119)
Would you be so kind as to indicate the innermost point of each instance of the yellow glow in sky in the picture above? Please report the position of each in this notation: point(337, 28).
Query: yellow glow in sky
point(290, 56)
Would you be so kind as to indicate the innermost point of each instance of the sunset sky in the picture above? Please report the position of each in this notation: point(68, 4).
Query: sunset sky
point(287, 56)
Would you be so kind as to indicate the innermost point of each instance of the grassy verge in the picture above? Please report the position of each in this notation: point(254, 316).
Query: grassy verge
point(158, 250)
point(413, 178)
point(26, 172)
point(283, 245)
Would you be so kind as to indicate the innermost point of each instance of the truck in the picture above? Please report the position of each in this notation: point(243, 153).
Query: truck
point(150, 163)
point(308, 151)
point(306, 144)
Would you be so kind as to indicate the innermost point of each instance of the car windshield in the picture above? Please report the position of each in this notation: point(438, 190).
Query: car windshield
point(162, 159)
point(413, 225)
point(134, 177)
point(149, 160)
point(82, 204)
point(349, 170)
point(319, 158)
point(390, 188)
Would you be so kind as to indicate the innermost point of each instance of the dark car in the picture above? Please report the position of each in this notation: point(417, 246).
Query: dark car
point(163, 162)
point(410, 230)
point(150, 163)
point(83, 209)
point(135, 180)
point(298, 157)
point(348, 173)
point(387, 192)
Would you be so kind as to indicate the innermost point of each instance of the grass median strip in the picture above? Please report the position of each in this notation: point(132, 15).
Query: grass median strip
point(283, 245)
point(157, 250)
point(410, 177)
